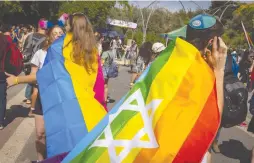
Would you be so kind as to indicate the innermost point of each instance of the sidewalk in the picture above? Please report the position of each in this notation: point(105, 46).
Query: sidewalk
point(18, 129)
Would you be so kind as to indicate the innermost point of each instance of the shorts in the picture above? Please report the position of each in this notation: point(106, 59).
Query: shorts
point(104, 71)
point(38, 107)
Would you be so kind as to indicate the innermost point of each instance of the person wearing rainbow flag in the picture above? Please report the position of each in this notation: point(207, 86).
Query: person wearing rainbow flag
point(171, 114)
point(204, 33)
point(173, 111)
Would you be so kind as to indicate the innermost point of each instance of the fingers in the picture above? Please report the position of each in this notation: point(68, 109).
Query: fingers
point(208, 57)
point(223, 48)
point(7, 74)
point(215, 44)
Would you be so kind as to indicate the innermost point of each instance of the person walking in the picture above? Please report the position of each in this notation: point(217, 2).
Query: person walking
point(37, 63)
point(32, 44)
point(10, 62)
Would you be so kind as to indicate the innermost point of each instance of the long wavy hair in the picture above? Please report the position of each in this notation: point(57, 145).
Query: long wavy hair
point(145, 52)
point(84, 43)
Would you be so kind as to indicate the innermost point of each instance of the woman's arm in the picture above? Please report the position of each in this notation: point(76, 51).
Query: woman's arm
point(14, 80)
point(21, 39)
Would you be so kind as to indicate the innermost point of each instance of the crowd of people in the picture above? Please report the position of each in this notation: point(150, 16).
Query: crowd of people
point(95, 53)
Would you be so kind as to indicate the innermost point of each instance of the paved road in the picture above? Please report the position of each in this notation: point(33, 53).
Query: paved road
point(17, 139)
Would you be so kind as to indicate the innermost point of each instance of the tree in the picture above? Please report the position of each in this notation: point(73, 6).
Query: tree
point(9, 7)
point(224, 8)
point(96, 11)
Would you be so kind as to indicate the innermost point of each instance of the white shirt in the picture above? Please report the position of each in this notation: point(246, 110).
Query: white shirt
point(113, 44)
point(38, 58)
point(119, 43)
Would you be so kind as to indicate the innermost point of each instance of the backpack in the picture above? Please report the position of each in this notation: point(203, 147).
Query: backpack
point(235, 98)
point(112, 69)
point(12, 60)
point(32, 45)
point(251, 108)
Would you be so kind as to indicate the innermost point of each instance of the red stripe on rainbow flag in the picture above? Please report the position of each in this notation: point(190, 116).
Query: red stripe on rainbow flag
point(188, 152)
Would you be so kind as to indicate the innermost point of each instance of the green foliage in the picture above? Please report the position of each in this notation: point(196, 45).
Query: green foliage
point(138, 37)
point(9, 7)
point(96, 11)
point(234, 35)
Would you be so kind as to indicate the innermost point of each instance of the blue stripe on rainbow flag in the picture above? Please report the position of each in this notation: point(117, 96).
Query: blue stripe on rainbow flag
point(84, 143)
point(64, 108)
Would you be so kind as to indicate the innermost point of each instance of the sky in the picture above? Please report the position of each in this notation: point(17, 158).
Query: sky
point(174, 5)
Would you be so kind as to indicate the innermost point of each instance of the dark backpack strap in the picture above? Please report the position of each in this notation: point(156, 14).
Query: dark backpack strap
point(28, 43)
point(35, 48)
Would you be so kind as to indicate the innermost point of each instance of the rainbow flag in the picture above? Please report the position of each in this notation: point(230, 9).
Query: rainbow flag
point(72, 100)
point(170, 115)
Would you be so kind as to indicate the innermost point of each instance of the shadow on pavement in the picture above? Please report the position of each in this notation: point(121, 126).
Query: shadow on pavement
point(14, 112)
point(111, 100)
point(236, 150)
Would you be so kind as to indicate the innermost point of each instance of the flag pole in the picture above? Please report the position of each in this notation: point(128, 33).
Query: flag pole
point(246, 35)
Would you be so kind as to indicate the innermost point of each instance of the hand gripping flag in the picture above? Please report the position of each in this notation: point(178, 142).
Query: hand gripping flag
point(170, 115)
point(71, 98)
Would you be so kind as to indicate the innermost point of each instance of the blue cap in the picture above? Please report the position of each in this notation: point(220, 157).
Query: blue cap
point(202, 21)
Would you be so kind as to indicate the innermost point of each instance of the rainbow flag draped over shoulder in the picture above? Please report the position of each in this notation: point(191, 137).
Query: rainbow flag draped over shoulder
point(71, 98)
point(170, 115)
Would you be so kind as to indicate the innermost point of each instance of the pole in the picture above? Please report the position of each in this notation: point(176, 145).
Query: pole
point(182, 6)
point(144, 35)
point(145, 25)
point(233, 5)
point(224, 11)
point(199, 7)
point(246, 35)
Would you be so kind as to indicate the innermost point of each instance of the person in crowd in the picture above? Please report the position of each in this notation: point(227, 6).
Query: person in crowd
point(3, 46)
point(99, 39)
point(119, 47)
point(107, 58)
point(21, 37)
point(214, 51)
point(27, 31)
point(140, 61)
point(133, 54)
point(157, 48)
point(10, 59)
point(113, 45)
point(245, 66)
point(32, 44)
point(37, 63)
point(13, 28)
point(147, 53)
point(82, 62)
